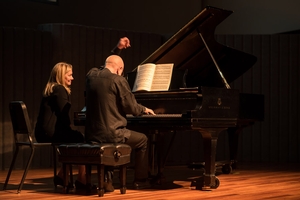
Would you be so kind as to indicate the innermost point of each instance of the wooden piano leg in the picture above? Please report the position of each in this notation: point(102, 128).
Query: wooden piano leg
point(233, 139)
point(210, 138)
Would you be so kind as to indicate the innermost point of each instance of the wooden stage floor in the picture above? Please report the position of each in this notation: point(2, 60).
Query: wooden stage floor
point(249, 181)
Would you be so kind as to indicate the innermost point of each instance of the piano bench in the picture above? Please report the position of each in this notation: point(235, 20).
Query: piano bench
point(101, 155)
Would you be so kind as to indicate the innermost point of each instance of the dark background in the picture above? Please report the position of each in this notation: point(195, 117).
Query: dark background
point(155, 16)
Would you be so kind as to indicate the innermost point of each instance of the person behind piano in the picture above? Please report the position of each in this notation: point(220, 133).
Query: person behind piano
point(108, 100)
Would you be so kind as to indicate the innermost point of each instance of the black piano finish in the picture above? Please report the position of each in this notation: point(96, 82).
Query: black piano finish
point(200, 61)
point(200, 97)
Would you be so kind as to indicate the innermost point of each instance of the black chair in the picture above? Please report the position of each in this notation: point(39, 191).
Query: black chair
point(23, 137)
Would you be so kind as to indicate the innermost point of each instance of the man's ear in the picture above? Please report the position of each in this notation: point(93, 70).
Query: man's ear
point(118, 73)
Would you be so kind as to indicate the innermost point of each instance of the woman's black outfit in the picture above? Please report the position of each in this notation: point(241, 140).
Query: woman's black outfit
point(53, 122)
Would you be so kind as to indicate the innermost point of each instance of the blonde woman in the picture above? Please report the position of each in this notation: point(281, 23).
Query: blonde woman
point(53, 122)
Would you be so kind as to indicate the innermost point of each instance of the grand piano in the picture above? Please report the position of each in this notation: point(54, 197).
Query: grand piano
point(200, 97)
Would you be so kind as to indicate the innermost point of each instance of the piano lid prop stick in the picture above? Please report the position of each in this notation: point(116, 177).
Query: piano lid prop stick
point(216, 64)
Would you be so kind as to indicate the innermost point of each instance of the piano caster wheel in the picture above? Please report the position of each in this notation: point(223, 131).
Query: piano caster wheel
point(200, 184)
point(217, 184)
point(226, 169)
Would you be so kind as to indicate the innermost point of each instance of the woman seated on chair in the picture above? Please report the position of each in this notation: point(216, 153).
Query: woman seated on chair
point(53, 122)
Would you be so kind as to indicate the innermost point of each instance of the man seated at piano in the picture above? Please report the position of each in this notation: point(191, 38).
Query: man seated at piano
point(108, 100)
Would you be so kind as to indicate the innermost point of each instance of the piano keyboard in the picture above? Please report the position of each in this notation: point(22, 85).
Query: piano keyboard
point(155, 116)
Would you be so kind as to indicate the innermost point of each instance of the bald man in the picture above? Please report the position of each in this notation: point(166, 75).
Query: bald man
point(108, 100)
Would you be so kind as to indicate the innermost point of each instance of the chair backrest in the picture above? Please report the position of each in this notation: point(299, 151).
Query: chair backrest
point(20, 119)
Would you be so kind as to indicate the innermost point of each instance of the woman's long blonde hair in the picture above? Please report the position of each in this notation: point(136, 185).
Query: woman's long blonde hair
point(57, 77)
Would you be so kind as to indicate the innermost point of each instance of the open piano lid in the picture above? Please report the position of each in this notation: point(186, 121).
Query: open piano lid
point(187, 51)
